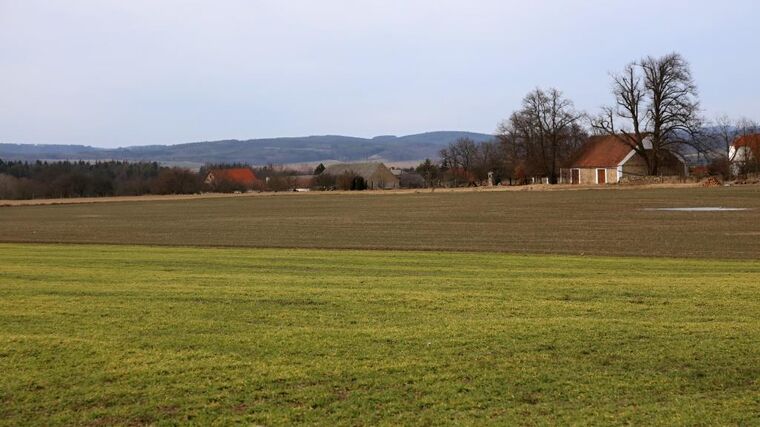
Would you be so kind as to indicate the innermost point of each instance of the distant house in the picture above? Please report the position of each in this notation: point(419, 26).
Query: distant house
point(238, 177)
point(607, 159)
point(376, 175)
point(744, 151)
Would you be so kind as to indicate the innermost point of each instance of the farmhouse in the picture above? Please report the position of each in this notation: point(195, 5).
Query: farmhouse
point(243, 177)
point(744, 152)
point(607, 159)
point(376, 175)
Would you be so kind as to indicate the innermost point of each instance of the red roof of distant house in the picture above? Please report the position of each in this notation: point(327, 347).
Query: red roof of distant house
point(751, 141)
point(243, 176)
point(602, 152)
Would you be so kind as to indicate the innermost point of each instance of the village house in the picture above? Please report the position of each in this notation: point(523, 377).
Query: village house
point(376, 175)
point(607, 160)
point(235, 177)
point(744, 152)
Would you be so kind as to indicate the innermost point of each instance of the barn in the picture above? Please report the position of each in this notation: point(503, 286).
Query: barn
point(607, 159)
point(376, 175)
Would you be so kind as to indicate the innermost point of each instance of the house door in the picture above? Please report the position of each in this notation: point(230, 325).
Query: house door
point(601, 176)
point(575, 176)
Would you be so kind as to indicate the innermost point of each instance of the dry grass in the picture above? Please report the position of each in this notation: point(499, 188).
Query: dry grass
point(564, 222)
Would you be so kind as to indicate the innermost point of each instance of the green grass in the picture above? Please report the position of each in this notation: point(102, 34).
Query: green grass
point(587, 222)
point(101, 335)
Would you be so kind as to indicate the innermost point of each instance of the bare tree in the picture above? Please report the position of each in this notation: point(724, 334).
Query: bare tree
point(724, 132)
point(459, 158)
point(719, 138)
point(543, 132)
point(746, 127)
point(460, 154)
point(489, 158)
point(656, 108)
point(467, 162)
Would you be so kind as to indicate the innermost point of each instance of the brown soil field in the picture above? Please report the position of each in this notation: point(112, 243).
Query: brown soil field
point(151, 198)
point(520, 220)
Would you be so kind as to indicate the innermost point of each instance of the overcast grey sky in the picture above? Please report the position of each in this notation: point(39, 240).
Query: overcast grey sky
point(136, 72)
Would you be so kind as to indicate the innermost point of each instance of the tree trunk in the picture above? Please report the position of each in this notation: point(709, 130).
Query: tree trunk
point(654, 163)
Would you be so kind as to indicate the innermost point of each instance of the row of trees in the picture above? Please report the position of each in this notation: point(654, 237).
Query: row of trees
point(655, 110)
point(542, 135)
point(23, 180)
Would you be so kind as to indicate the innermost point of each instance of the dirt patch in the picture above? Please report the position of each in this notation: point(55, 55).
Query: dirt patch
point(240, 408)
point(168, 409)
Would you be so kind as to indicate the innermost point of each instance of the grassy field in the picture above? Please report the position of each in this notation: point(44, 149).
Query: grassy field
point(563, 222)
point(102, 335)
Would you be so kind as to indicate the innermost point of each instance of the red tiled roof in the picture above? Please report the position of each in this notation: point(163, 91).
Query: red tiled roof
point(243, 176)
point(601, 152)
point(751, 141)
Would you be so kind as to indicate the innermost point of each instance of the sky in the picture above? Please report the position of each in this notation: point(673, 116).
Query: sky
point(139, 72)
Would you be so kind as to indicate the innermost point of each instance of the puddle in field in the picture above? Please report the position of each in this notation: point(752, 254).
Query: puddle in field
point(703, 209)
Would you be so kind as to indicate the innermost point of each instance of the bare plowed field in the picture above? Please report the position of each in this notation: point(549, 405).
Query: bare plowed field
point(564, 222)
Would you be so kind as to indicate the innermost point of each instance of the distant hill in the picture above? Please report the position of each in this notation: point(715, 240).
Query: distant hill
point(308, 149)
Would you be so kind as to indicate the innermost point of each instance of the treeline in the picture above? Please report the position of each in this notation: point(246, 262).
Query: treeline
point(67, 179)
point(25, 180)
